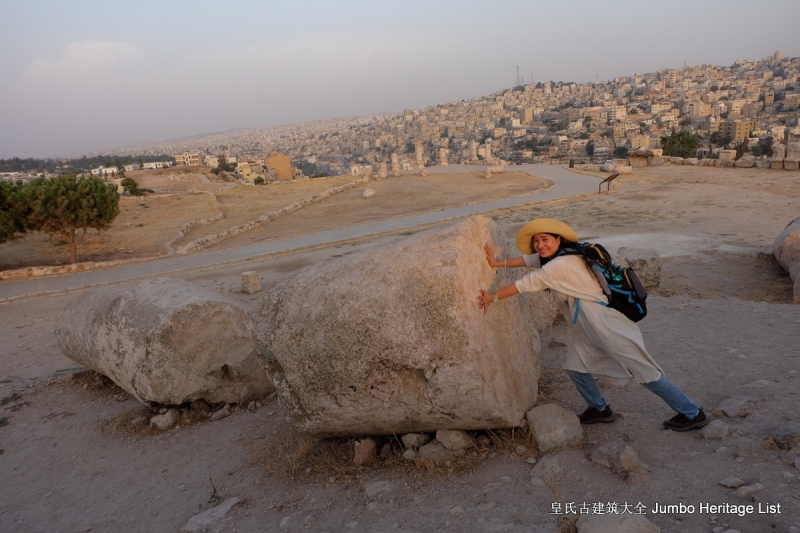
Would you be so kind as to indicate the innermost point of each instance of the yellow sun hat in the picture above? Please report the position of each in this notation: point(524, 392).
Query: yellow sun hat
point(543, 225)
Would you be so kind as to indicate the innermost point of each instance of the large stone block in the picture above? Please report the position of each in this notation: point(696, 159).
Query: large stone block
point(391, 340)
point(166, 341)
point(646, 263)
point(727, 155)
point(786, 247)
point(791, 164)
point(786, 250)
point(793, 151)
point(746, 161)
point(554, 427)
point(637, 161)
point(778, 152)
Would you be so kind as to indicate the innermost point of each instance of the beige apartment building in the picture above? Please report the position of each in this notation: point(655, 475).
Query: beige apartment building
point(736, 130)
point(187, 159)
point(250, 170)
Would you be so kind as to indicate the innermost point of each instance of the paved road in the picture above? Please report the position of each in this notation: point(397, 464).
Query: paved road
point(568, 184)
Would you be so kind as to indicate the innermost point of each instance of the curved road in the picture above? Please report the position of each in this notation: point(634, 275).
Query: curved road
point(567, 184)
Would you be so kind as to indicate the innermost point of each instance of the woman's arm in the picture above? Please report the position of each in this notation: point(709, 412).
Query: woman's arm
point(485, 299)
point(505, 263)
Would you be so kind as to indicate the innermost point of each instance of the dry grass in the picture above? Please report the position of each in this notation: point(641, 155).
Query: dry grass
point(293, 456)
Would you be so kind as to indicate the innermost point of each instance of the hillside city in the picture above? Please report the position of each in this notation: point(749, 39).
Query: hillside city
point(750, 103)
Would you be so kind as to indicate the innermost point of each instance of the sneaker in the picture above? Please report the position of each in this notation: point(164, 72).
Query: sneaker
point(681, 423)
point(590, 416)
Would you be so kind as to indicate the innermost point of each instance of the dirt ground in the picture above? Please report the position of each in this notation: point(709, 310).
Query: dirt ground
point(146, 223)
point(74, 458)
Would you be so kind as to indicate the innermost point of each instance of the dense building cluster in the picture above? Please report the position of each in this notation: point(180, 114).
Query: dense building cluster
point(725, 106)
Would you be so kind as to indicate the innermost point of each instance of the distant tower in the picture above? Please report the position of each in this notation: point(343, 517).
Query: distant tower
point(517, 84)
point(778, 55)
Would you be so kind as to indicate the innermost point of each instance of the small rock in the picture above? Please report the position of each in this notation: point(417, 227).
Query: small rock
point(487, 175)
point(554, 427)
point(485, 506)
point(368, 193)
point(521, 449)
point(454, 439)
point(738, 407)
point(731, 482)
point(166, 420)
point(617, 456)
point(435, 452)
point(457, 510)
point(637, 478)
point(251, 406)
point(747, 491)
point(531, 460)
point(366, 452)
point(548, 468)
point(484, 441)
point(415, 440)
point(787, 436)
point(423, 173)
point(210, 520)
point(250, 282)
point(718, 529)
point(716, 429)
point(409, 454)
point(222, 413)
point(373, 488)
point(200, 405)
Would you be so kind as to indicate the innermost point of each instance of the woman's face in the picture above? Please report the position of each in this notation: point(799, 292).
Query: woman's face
point(545, 244)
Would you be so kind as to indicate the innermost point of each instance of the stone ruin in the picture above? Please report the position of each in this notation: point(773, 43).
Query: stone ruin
point(166, 342)
point(442, 157)
point(786, 250)
point(391, 340)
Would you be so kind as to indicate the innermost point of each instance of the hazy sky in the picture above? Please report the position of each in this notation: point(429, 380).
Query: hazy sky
point(81, 76)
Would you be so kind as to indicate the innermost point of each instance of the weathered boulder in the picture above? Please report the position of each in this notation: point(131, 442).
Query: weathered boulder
point(787, 244)
point(554, 427)
point(691, 161)
point(391, 340)
point(166, 341)
point(746, 161)
point(727, 155)
point(786, 250)
point(646, 263)
point(656, 160)
point(615, 523)
point(368, 193)
point(675, 160)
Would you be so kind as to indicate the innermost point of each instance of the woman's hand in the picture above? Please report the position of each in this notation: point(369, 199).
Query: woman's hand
point(485, 299)
point(490, 256)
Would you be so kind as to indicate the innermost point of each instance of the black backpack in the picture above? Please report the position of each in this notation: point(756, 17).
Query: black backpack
point(621, 285)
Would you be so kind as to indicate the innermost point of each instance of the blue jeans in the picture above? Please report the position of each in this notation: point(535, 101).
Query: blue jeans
point(663, 388)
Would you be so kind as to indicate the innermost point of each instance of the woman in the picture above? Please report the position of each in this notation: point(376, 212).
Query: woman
point(601, 340)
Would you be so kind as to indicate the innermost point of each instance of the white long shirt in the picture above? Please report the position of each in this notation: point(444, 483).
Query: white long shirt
point(602, 340)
